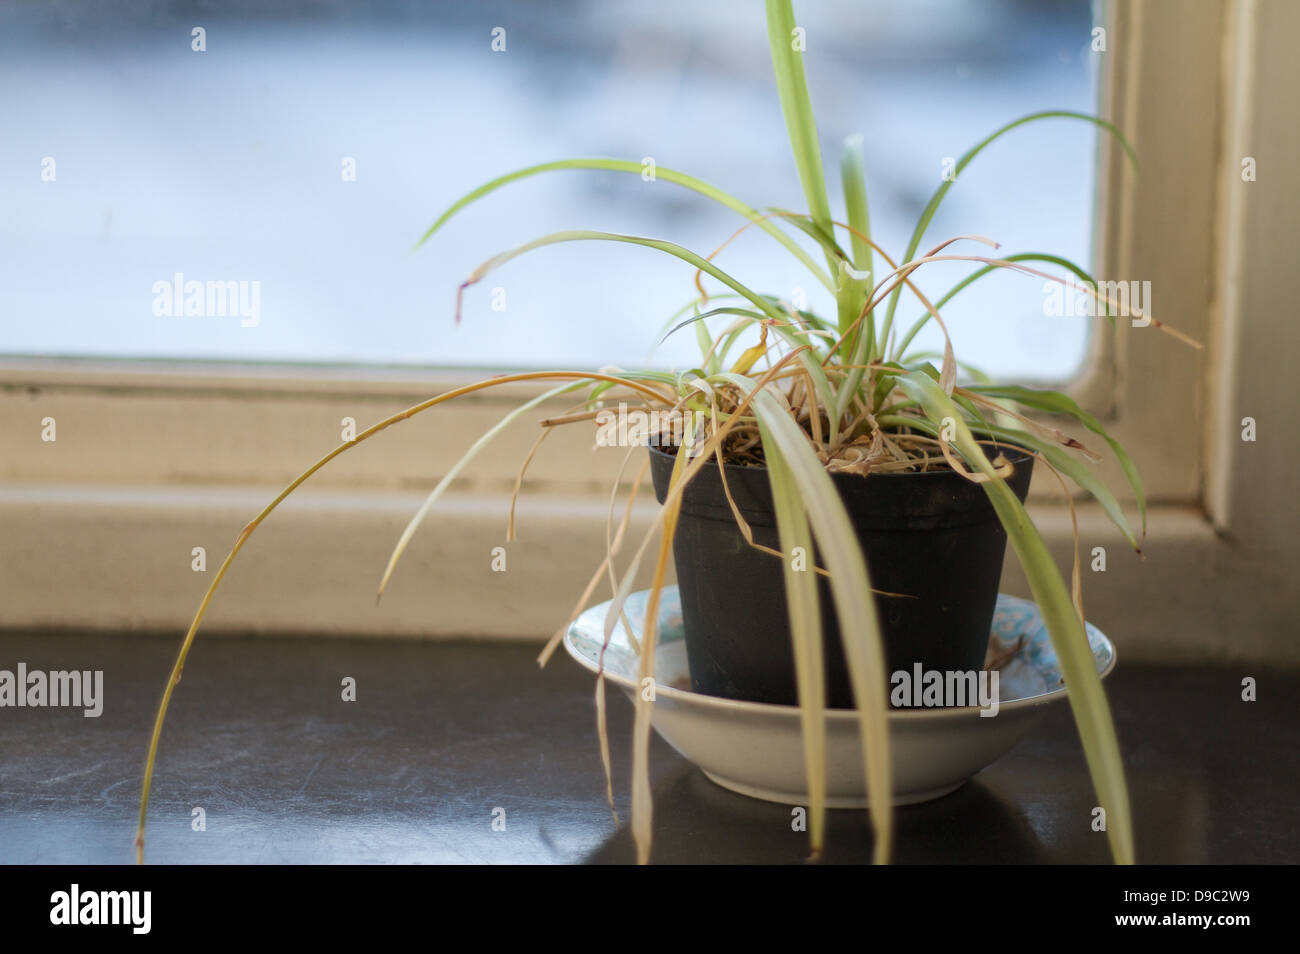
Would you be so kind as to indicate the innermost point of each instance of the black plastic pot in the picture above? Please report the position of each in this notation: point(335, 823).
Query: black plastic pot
point(933, 536)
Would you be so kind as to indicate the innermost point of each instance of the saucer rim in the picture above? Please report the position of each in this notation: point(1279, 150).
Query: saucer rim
point(744, 706)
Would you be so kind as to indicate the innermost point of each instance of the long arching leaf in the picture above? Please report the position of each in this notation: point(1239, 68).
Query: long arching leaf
point(901, 350)
point(855, 606)
point(636, 168)
point(780, 322)
point(931, 207)
point(1086, 695)
point(1056, 403)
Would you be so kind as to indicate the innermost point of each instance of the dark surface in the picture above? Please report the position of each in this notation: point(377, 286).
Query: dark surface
point(441, 734)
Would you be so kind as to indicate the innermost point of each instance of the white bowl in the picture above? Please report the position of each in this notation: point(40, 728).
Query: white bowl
point(757, 749)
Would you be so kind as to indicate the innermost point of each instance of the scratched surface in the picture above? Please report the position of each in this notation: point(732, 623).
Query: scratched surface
point(442, 734)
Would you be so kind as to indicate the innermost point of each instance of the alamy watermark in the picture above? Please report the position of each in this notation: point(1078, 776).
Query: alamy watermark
point(636, 427)
point(932, 688)
point(129, 908)
point(1121, 299)
point(76, 688)
point(212, 299)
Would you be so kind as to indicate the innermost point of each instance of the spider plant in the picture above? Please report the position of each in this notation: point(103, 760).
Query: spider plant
point(811, 395)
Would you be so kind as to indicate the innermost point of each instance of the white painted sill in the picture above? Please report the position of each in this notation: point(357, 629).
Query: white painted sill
point(106, 558)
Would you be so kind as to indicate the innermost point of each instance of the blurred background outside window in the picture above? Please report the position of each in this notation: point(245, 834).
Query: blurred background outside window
point(228, 165)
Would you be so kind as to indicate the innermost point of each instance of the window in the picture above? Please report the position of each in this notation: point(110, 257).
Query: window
point(305, 148)
point(156, 457)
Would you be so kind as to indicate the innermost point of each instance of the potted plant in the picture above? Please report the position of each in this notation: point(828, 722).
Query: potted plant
point(828, 439)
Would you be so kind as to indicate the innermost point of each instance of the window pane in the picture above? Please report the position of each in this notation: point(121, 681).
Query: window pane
point(131, 159)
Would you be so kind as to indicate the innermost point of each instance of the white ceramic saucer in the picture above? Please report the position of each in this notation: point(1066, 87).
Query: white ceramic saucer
point(756, 749)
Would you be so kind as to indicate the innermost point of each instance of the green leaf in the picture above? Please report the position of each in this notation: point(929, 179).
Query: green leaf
point(635, 168)
point(975, 276)
point(781, 324)
point(848, 313)
point(820, 235)
point(741, 312)
point(787, 64)
point(860, 344)
point(1056, 403)
point(805, 631)
point(1056, 455)
point(1086, 696)
point(932, 206)
point(693, 304)
point(853, 175)
point(850, 589)
point(1069, 465)
point(704, 341)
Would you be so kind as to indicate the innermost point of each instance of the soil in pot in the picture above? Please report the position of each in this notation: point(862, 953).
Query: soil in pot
point(932, 536)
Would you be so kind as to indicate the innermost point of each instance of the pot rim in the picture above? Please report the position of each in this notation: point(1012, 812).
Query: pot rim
point(1025, 454)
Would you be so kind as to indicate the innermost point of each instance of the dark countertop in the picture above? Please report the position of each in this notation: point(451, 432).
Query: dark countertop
point(442, 734)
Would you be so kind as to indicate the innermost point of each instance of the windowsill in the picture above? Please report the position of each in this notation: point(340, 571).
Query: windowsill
point(238, 377)
point(109, 558)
